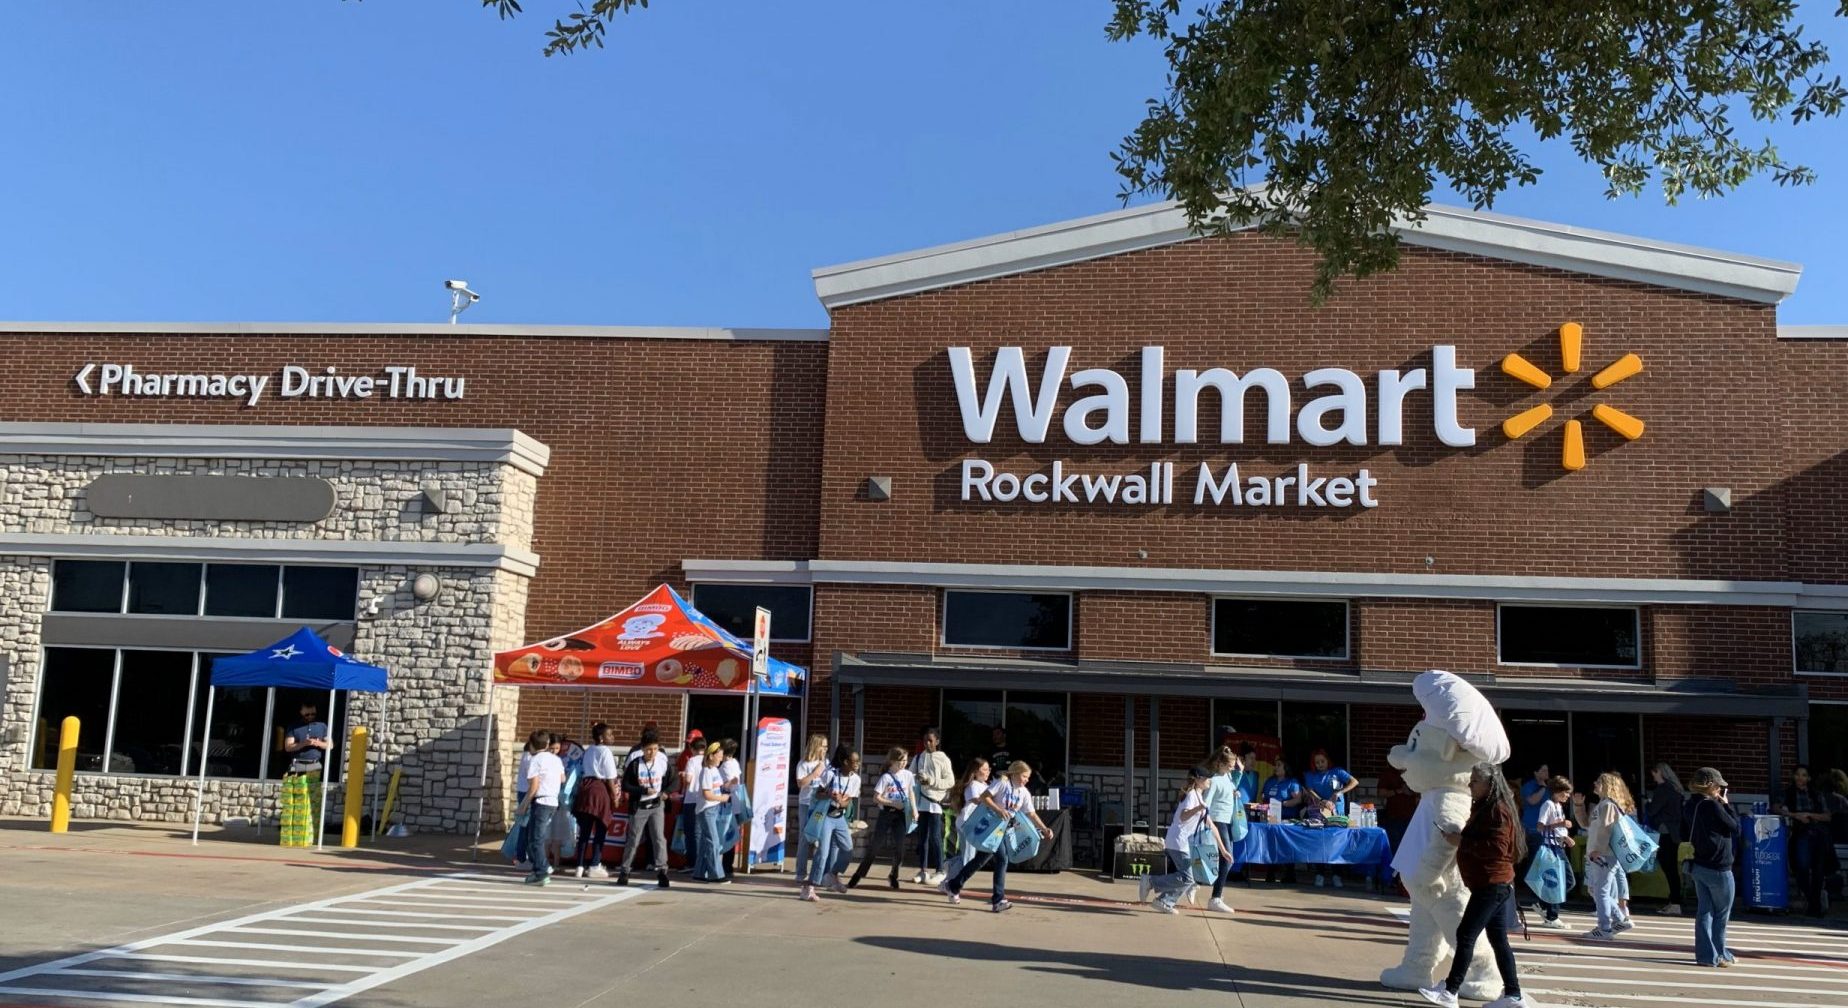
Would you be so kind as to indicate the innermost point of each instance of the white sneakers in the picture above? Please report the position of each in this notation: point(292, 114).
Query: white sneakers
point(1509, 1001)
point(1555, 924)
point(1438, 996)
point(597, 871)
point(1219, 906)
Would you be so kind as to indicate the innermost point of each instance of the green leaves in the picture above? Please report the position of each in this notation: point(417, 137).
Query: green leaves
point(1351, 111)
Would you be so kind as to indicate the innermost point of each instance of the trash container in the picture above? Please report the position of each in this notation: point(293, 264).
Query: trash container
point(1766, 839)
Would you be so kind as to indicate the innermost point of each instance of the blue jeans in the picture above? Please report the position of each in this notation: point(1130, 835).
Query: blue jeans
point(1227, 869)
point(1713, 899)
point(930, 841)
point(972, 863)
point(1170, 888)
point(538, 831)
point(802, 844)
point(710, 866)
point(1601, 881)
point(835, 843)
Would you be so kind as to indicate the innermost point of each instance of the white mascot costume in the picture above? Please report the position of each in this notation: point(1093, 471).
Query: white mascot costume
point(1459, 730)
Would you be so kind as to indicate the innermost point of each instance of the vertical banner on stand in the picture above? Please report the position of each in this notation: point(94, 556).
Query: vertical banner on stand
point(770, 793)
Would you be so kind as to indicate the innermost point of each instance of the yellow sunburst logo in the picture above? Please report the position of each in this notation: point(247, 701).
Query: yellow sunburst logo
point(1571, 340)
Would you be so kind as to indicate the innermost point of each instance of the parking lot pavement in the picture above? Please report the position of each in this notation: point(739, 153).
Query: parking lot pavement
point(418, 924)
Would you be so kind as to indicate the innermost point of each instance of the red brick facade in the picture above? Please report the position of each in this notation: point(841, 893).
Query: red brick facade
point(670, 449)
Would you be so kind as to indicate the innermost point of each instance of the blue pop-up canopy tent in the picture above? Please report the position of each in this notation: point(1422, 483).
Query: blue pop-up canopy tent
point(301, 660)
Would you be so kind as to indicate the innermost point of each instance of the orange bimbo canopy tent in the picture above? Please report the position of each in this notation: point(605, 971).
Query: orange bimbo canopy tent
point(659, 643)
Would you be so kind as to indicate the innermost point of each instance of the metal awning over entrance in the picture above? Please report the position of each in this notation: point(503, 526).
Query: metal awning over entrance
point(1692, 698)
point(1699, 698)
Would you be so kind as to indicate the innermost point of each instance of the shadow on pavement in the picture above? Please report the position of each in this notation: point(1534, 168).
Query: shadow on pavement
point(1144, 971)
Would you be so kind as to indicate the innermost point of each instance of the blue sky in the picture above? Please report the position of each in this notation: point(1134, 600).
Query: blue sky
point(330, 161)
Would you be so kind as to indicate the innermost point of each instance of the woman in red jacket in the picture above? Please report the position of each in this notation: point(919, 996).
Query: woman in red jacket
point(1488, 848)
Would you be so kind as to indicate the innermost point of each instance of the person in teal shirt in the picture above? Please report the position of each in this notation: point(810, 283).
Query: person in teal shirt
point(1225, 806)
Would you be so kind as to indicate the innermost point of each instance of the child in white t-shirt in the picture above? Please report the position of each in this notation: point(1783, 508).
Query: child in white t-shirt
point(1189, 826)
point(897, 811)
point(1555, 830)
point(808, 774)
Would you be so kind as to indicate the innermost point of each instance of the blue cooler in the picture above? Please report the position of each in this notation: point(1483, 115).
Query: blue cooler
point(1766, 864)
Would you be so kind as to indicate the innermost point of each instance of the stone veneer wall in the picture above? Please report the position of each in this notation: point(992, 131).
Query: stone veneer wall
point(439, 652)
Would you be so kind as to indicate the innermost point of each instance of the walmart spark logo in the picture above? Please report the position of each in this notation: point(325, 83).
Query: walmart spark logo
point(1571, 337)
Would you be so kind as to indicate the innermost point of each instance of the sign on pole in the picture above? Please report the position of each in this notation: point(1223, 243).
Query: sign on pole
point(760, 646)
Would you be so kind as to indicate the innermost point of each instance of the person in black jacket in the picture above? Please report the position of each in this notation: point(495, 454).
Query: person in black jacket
point(1711, 827)
point(1662, 813)
point(1812, 855)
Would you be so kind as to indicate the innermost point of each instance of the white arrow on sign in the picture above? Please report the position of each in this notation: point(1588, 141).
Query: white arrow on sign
point(82, 385)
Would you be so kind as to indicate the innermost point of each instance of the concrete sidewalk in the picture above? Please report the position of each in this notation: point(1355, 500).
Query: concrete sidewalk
point(1072, 939)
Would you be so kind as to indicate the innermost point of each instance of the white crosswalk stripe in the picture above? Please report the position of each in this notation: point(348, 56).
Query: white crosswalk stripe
point(311, 954)
point(1778, 966)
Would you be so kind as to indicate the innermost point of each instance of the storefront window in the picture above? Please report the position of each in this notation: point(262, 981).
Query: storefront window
point(75, 682)
point(163, 588)
point(1024, 620)
point(1280, 628)
point(1311, 726)
point(1821, 641)
point(1243, 717)
point(1828, 736)
point(1036, 733)
point(320, 593)
point(734, 607)
point(970, 718)
point(240, 590)
point(1604, 741)
point(87, 585)
point(1582, 636)
point(285, 714)
point(238, 741)
point(1536, 737)
point(149, 730)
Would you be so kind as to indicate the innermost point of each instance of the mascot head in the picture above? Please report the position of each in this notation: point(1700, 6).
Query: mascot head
point(1459, 730)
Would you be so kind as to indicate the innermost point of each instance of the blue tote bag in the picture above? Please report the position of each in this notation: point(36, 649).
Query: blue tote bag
point(1203, 855)
point(1021, 842)
point(985, 830)
point(1547, 876)
point(1633, 846)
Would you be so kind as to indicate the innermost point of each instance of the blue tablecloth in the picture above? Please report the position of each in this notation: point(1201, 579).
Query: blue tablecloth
point(1286, 843)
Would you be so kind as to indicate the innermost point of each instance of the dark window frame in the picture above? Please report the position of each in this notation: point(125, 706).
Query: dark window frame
point(943, 620)
point(775, 638)
point(1347, 626)
point(1795, 651)
point(1636, 618)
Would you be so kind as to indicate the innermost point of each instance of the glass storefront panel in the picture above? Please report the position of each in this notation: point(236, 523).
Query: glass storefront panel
point(150, 712)
point(970, 718)
point(76, 682)
point(1605, 742)
point(1311, 726)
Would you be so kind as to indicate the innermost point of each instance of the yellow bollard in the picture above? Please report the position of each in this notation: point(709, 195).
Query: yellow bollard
point(355, 788)
point(391, 799)
point(67, 768)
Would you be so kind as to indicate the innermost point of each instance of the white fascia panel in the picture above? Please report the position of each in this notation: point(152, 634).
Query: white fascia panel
point(1496, 236)
point(1319, 584)
point(228, 549)
point(436, 444)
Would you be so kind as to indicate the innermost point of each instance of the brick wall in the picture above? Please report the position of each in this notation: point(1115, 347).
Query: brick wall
point(1713, 374)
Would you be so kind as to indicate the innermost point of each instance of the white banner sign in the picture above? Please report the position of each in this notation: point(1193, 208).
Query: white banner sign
point(770, 792)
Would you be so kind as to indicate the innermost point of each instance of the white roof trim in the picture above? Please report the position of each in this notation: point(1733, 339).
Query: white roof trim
point(1812, 332)
point(228, 549)
point(1515, 239)
point(1320, 584)
point(435, 444)
point(418, 329)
